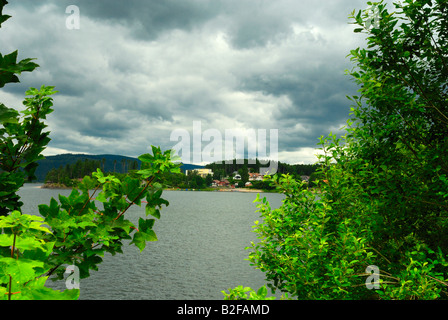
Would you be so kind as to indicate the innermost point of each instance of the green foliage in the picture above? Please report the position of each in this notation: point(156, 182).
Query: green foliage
point(383, 186)
point(23, 262)
point(308, 249)
point(83, 232)
point(9, 67)
point(79, 228)
point(226, 168)
point(246, 293)
point(397, 144)
point(73, 166)
point(69, 174)
point(244, 172)
point(22, 141)
point(208, 180)
point(194, 180)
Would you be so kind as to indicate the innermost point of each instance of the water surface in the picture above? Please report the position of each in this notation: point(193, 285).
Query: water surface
point(200, 252)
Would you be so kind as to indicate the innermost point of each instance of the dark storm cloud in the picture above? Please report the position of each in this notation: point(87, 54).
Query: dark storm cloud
point(136, 70)
point(248, 23)
point(315, 95)
point(148, 19)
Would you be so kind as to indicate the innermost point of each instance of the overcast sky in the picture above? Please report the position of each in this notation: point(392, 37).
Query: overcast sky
point(136, 71)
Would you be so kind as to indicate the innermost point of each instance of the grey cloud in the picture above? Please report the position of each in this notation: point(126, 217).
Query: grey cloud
point(317, 98)
point(150, 18)
point(254, 25)
point(136, 70)
point(248, 23)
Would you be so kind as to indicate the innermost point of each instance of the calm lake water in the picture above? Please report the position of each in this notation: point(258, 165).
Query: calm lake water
point(200, 252)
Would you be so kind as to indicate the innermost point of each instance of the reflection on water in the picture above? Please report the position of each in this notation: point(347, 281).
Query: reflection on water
point(200, 252)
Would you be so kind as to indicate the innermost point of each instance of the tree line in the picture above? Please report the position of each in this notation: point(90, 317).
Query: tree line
point(226, 168)
point(71, 173)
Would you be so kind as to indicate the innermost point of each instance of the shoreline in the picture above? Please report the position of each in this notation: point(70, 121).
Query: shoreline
point(64, 187)
point(54, 186)
point(217, 190)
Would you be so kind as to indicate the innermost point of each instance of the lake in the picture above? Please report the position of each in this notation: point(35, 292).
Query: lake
point(200, 252)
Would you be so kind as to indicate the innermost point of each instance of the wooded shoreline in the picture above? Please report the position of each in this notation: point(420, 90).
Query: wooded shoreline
point(62, 186)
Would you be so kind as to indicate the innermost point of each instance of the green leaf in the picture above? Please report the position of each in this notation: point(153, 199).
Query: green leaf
point(101, 197)
point(140, 238)
point(22, 242)
point(9, 67)
point(87, 263)
point(49, 211)
point(145, 225)
point(36, 290)
point(8, 115)
point(146, 158)
point(262, 292)
point(150, 210)
point(131, 187)
point(21, 270)
point(3, 18)
point(41, 253)
point(122, 224)
point(150, 235)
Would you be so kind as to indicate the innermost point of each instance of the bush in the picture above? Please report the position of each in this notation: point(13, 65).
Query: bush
point(383, 204)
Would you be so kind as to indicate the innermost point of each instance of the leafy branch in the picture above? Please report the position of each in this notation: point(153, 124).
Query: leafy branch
point(78, 231)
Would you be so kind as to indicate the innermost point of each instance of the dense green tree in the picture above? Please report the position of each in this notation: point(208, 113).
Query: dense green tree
point(194, 180)
point(78, 170)
point(218, 174)
point(208, 180)
point(222, 169)
point(384, 203)
point(244, 173)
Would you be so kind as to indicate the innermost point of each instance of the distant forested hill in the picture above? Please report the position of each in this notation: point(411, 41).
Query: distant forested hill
point(109, 163)
point(295, 170)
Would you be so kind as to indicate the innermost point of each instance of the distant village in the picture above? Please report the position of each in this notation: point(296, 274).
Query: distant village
point(69, 170)
point(233, 181)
